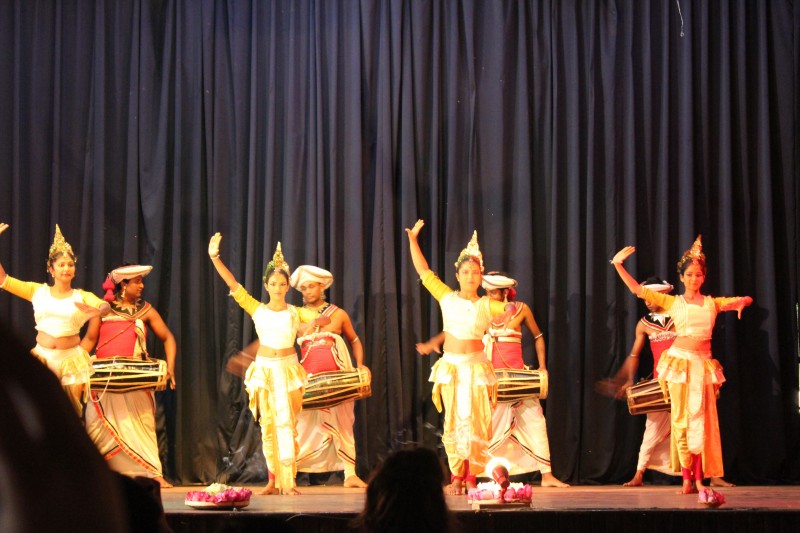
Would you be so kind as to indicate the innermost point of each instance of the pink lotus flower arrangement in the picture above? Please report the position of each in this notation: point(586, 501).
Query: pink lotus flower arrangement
point(219, 493)
point(491, 491)
point(710, 497)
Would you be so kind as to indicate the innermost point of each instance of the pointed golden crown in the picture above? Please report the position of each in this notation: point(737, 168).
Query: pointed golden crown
point(472, 251)
point(60, 245)
point(277, 263)
point(695, 253)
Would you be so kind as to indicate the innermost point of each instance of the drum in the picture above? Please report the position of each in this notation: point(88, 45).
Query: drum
point(648, 397)
point(125, 374)
point(329, 389)
point(514, 384)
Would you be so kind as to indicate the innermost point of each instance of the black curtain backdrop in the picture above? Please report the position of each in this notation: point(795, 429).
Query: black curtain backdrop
point(560, 130)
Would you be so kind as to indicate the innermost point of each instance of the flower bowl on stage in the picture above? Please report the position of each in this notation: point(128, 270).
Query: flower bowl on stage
point(488, 494)
point(218, 496)
point(710, 498)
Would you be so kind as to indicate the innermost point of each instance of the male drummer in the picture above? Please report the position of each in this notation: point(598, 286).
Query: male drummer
point(123, 425)
point(519, 430)
point(657, 328)
point(326, 436)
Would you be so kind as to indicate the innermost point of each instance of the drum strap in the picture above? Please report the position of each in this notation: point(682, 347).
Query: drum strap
point(120, 332)
point(493, 342)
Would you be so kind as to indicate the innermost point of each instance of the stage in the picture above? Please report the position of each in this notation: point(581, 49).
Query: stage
point(583, 508)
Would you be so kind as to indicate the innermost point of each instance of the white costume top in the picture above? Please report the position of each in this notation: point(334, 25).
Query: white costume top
point(58, 317)
point(695, 321)
point(464, 319)
point(276, 329)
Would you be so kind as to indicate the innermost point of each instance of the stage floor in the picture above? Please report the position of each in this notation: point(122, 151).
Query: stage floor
point(319, 508)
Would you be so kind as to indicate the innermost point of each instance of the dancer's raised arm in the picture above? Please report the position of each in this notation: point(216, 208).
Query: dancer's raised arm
point(3, 227)
point(213, 253)
point(617, 261)
point(420, 263)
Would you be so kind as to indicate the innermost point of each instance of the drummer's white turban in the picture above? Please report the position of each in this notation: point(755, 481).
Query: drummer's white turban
point(306, 273)
point(497, 281)
point(659, 287)
point(129, 272)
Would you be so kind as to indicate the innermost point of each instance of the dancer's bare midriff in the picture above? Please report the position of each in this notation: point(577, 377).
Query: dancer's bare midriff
point(269, 351)
point(461, 346)
point(57, 343)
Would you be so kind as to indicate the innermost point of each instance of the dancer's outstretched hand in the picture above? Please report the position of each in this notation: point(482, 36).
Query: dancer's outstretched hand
point(4, 226)
point(425, 348)
point(740, 304)
point(623, 254)
point(88, 310)
point(322, 321)
point(413, 232)
point(213, 245)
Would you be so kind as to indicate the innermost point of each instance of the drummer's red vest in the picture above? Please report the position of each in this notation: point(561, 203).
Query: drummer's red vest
point(661, 339)
point(507, 354)
point(319, 357)
point(118, 337)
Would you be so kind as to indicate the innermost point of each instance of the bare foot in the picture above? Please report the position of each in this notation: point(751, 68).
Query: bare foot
point(354, 482)
point(455, 488)
point(719, 482)
point(471, 485)
point(688, 487)
point(290, 492)
point(269, 489)
point(637, 481)
point(549, 480)
point(163, 482)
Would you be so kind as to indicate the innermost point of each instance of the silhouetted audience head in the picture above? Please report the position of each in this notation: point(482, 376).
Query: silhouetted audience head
point(405, 494)
point(52, 478)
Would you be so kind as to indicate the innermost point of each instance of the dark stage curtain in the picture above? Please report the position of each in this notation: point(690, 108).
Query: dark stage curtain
point(560, 130)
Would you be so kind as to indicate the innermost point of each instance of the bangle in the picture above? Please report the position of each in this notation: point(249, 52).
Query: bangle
point(355, 340)
point(634, 354)
point(214, 257)
point(612, 262)
point(537, 336)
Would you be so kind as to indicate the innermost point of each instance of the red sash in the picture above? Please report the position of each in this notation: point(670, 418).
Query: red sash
point(507, 355)
point(117, 337)
point(318, 358)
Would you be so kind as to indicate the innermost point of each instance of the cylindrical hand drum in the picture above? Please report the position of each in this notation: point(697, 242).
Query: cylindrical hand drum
point(648, 397)
point(124, 374)
point(329, 389)
point(514, 384)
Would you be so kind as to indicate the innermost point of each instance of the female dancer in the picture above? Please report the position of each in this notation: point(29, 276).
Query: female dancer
point(692, 375)
point(519, 429)
point(275, 381)
point(123, 425)
point(60, 311)
point(464, 379)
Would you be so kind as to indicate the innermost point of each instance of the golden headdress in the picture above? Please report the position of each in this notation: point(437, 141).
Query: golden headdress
point(472, 251)
point(60, 245)
point(694, 254)
point(277, 263)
